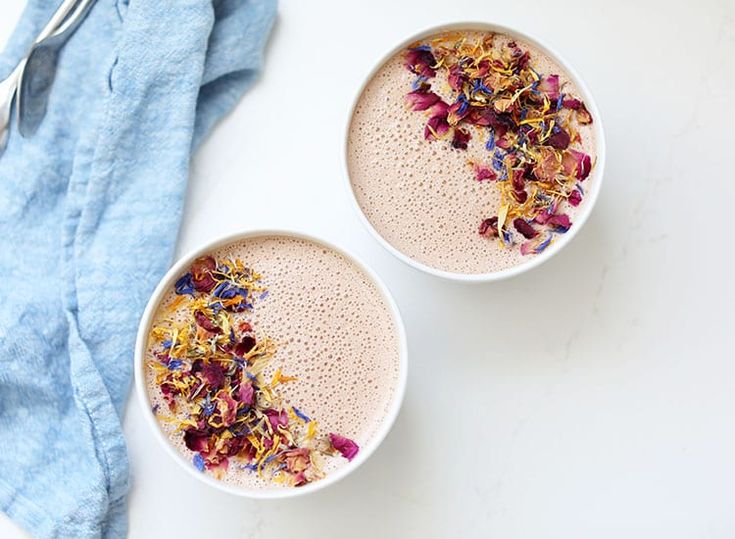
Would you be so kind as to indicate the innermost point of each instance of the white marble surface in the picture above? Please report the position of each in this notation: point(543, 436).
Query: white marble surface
point(592, 397)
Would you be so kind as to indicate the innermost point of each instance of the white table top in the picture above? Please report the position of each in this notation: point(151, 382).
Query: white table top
point(614, 415)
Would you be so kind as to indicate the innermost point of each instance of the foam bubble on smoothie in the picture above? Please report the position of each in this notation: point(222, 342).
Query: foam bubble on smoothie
point(333, 330)
point(422, 196)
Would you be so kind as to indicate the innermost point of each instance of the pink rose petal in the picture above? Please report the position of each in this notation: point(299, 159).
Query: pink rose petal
point(347, 447)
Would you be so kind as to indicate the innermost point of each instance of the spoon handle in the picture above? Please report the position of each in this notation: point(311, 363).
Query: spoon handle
point(56, 19)
point(68, 27)
point(8, 87)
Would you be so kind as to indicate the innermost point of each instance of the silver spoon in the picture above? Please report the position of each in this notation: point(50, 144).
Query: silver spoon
point(9, 86)
point(40, 70)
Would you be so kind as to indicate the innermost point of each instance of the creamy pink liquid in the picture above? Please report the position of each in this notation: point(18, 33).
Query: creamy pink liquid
point(421, 196)
point(333, 330)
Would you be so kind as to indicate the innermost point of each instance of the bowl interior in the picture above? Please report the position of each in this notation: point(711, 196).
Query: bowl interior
point(387, 413)
point(592, 184)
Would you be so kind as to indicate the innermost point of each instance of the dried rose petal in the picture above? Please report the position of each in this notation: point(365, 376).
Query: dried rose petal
point(503, 143)
point(523, 60)
point(575, 197)
point(501, 123)
point(347, 447)
point(213, 374)
point(246, 394)
point(204, 322)
point(583, 115)
point(457, 111)
point(571, 103)
point(550, 86)
point(460, 139)
point(520, 196)
point(484, 173)
point(489, 227)
point(504, 105)
point(518, 181)
point(483, 68)
point(559, 139)
point(440, 108)
point(246, 344)
point(456, 78)
point(419, 100)
point(218, 464)
point(196, 440)
point(277, 418)
point(577, 164)
point(436, 127)
point(297, 460)
point(526, 230)
point(419, 61)
point(561, 220)
point(227, 407)
point(548, 166)
point(201, 273)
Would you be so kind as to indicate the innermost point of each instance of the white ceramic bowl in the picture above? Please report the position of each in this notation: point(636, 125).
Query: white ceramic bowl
point(140, 384)
point(593, 183)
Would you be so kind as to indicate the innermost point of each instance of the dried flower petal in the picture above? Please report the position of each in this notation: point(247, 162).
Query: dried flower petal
point(456, 78)
point(533, 130)
point(419, 60)
point(226, 409)
point(577, 164)
point(436, 128)
point(347, 447)
point(201, 272)
point(184, 285)
point(559, 139)
point(489, 227)
point(419, 100)
point(524, 228)
point(458, 110)
point(575, 197)
point(460, 139)
point(583, 115)
point(246, 393)
point(561, 220)
point(204, 321)
point(246, 344)
point(483, 172)
point(550, 86)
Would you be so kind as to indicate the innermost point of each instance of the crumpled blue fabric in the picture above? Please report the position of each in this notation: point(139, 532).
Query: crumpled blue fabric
point(89, 212)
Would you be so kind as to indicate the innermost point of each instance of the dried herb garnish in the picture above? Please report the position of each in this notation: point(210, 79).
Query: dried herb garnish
point(210, 371)
point(471, 87)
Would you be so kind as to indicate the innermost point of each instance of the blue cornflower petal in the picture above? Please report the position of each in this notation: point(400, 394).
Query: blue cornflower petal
point(543, 245)
point(198, 462)
point(174, 364)
point(185, 285)
point(300, 414)
point(418, 82)
point(498, 160)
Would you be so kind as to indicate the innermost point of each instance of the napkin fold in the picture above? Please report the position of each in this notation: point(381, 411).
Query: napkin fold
point(89, 212)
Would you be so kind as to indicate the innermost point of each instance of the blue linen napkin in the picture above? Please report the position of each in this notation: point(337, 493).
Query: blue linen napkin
point(89, 211)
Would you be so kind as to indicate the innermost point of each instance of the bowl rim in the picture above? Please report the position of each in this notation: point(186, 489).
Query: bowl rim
point(595, 178)
point(142, 339)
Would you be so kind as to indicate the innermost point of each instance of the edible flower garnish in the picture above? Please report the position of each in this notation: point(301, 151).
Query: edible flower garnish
point(478, 87)
point(210, 367)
